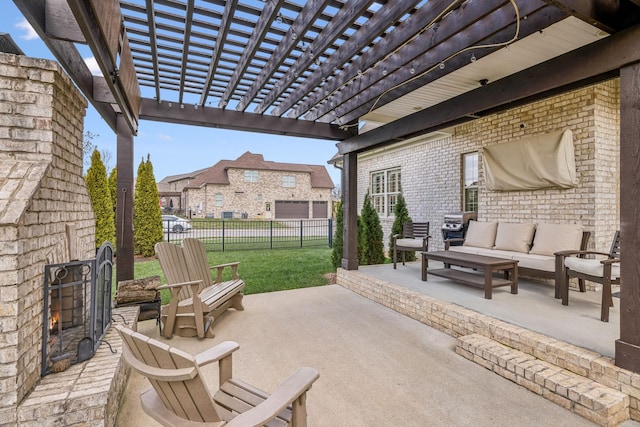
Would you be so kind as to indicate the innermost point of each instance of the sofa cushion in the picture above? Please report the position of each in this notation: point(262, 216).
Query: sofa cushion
point(481, 234)
point(551, 238)
point(535, 262)
point(592, 267)
point(464, 249)
point(514, 236)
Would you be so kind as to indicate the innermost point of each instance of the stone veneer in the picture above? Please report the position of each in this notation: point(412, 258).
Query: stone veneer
point(459, 321)
point(45, 209)
point(431, 175)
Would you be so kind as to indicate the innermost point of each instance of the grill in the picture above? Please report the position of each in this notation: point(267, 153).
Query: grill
point(456, 223)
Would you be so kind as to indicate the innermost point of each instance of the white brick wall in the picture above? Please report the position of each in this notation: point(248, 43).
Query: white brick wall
point(431, 180)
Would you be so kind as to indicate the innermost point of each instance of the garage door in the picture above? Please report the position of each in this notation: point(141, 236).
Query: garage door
point(320, 210)
point(291, 209)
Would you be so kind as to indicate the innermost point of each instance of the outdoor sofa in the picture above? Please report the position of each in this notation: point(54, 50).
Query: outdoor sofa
point(533, 245)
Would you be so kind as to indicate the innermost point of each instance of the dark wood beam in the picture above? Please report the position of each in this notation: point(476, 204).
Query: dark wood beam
point(68, 57)
point(458, 31)
point(185, 47)
point(237, 120)
point(264, 23)
point(608, 15)
point(628, 346)
point(350, 211)
point(327, 36)
point(299, 27)
point(225, 23)
point(371, 29)
point(124, 201)
point(368, 60)
point(103, 35)
point(60, 22)
point(598, 58)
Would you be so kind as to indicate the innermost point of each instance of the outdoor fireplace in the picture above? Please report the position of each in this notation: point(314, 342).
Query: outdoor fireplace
point(77, 309)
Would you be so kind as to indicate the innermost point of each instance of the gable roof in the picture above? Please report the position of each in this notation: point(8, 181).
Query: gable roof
point(217, 174)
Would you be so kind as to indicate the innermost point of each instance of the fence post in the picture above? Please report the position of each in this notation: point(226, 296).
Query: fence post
point(330, 231)
point(223, 235)
point(301, 232)
point(270, 234)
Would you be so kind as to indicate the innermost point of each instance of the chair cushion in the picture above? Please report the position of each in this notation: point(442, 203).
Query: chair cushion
point(514, 237)
point(409, 243)
point(551, 238)
point(481, 234)
point(592, 267)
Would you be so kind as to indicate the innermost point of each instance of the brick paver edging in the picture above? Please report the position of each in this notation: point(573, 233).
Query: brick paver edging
point(459, 321)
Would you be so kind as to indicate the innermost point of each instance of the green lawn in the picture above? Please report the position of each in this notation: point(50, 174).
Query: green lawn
point(264, 270)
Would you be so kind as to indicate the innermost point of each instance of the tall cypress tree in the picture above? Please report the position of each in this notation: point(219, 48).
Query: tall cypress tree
point(373, 250)
point(402, 215)
point(147, 218)
point(98, 188)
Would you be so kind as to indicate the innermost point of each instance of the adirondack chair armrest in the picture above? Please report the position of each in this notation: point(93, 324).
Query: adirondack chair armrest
point(178, 285)
point(216, 353)
point(290, 390)
point(221, 267)
point(158, 374)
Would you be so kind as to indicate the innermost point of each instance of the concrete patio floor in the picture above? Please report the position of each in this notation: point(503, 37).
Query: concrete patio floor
point(377, 367)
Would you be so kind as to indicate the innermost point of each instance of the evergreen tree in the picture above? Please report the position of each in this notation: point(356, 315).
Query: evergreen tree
point(338, 240)
point(113, 187)
point(373, 249)
point(402, 215)
point(147, 218)
point(98, 188)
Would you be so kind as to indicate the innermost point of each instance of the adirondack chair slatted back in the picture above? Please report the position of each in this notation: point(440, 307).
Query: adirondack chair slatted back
point(174, 266)
point(190, 398)
point(196, 257)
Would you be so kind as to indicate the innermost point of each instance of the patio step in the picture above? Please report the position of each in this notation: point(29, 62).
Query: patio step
point(589, 399)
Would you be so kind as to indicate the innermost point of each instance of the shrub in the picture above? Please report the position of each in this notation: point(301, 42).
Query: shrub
point(98, 188)
point(402, 215)
point(373, 247)
point(147, 218)
point(338, 240)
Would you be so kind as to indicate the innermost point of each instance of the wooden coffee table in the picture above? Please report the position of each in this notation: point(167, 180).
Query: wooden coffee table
point(487, 264)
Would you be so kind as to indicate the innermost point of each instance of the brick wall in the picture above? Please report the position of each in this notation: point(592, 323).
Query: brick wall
point(42, 193)
point(431, 175)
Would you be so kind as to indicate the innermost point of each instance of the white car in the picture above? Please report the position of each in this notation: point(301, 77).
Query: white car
point(175, 224)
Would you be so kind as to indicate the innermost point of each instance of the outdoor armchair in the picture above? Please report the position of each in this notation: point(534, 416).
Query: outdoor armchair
point(414, 238)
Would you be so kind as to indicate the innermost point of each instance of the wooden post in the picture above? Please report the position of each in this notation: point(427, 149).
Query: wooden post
point(350, 211)
point(628, 346)
point(124, 202)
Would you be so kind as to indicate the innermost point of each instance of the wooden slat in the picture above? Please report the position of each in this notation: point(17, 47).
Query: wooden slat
point(327, 36)
point(129, 79)
point(109, 20)
point(371, 29)
point(458, 30)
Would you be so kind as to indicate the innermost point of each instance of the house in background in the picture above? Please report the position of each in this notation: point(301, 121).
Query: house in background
point(251, 188)
point(170, 192)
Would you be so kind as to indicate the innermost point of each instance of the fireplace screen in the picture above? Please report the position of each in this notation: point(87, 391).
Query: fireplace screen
point(77, 309)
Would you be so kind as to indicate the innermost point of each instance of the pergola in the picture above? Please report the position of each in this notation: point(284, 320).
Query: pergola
point(319, 68)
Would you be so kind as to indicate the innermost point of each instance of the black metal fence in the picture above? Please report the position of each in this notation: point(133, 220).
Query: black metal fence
point(224, 235)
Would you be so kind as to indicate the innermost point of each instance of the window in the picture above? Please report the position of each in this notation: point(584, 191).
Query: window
point(470, 181)
point(250, 176)
point(385, 187)
point(289, 181)
point(217, 200)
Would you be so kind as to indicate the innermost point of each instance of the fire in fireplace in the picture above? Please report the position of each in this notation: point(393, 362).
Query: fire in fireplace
point(77, 309)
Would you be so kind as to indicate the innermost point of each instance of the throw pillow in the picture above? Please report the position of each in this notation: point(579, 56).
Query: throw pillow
point(514, 237)
point(551, 238)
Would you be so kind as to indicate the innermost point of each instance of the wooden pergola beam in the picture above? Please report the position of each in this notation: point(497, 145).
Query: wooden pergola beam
point(168, 112)
point(596, 59)
point(365, 36)
point(327, 36)
point(608, 15)
point(457, 31)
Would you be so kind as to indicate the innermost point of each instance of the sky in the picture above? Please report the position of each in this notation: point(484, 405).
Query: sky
point(177, 149)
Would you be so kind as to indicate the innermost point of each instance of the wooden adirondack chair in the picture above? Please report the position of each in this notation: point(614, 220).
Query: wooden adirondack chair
point(195, 300)
point(180, 397)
